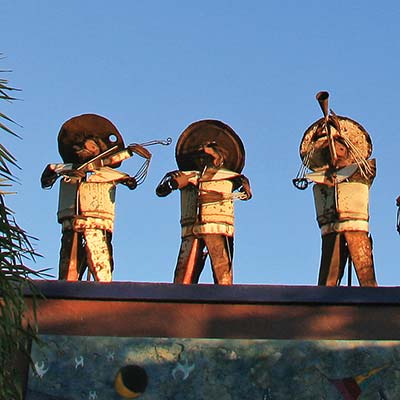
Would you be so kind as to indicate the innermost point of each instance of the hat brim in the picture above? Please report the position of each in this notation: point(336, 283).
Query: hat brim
point(311, 146)
point(78, 129)
point(208, 131)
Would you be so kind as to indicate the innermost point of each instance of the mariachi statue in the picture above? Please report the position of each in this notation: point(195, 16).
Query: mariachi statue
point(91, 148)
point(210, 158)
point(337, 149)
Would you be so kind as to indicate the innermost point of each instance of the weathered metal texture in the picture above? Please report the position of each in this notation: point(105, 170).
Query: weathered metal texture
point(97, 200)
point(72, 255)
point(190, 262)
point(342, 214)
point(360, 248)
point(74, 133)
point(99, 254)
point(93, 147)
point(86, 242)
point(67, 199)
point(191, 259)
point(314, 143)
point(337, 149)
point(208, 225)
point(87, 211)
point(205, 132)
point(207, 209)
point(215, 202)
point(336, 248)
point(210, 156)
point(343, 207)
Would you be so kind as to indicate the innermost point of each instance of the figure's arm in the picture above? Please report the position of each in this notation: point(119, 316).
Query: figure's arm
point(113, 159)
point(243, 185)
point(130, 182)
point(176, 180)
point(53, 171)
point(127, 153)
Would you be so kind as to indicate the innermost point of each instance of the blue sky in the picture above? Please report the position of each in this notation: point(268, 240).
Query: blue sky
point(154, 67)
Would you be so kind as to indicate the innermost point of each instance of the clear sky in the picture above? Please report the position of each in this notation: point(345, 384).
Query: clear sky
point(153, 67)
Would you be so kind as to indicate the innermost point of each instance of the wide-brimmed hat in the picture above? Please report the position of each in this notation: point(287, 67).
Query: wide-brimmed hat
point(352, 134)
point(214, 132)
point(77, 130)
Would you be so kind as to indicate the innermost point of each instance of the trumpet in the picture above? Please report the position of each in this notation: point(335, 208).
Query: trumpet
point(322, 98)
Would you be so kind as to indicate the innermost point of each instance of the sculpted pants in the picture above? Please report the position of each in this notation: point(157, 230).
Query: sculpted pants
point(71, 256)
point(92, 249)
point(336, 247)
point(191, 259)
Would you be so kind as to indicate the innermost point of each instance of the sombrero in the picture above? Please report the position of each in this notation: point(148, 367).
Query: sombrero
point(351, 132)
point(77, 130)
point(206, 132)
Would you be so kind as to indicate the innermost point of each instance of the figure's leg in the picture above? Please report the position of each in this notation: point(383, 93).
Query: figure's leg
point(333, 259)
point(110, 249)
point(190, 261)
point(220, 249)
point(99, 258)
point(83, 264)
point(360, 248)
point(69, 256)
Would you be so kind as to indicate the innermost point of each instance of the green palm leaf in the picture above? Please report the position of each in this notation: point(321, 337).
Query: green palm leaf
point(15, 276)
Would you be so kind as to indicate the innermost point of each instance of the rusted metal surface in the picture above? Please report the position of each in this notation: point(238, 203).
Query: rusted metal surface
point(336, 248)
point(210, 156)
point(342, 208)
point(75, 132)
point(209, 131)
point(337, 150)
point(315, 138)
point(91, 147)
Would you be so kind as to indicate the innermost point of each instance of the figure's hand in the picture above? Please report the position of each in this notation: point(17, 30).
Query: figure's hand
point(130, 182)
point(246, 188)
point(140, 150)
point(175, 180)
point(166, 186)
point(183, 179)
point(49, 176)
point(53, 171)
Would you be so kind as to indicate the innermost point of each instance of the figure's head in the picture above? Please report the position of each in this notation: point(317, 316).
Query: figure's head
point(209, 143)
point(85, 136)
point(343, 155)
point(89, 148)
point(208, 155)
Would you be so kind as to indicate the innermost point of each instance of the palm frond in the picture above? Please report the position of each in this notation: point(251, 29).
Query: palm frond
point(15, 276)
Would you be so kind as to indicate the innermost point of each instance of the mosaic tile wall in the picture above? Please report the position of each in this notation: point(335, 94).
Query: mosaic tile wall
point(84, 368)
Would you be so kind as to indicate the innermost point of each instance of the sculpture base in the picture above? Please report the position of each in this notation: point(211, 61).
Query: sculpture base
point(208, 342)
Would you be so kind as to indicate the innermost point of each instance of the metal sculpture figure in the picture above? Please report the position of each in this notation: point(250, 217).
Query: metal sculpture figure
point(91, 148)
point(337, 149)
point(210, 157)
